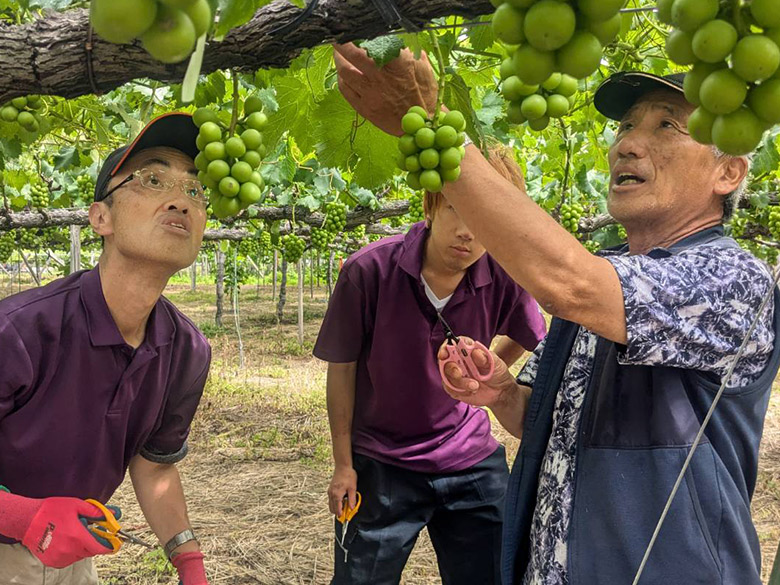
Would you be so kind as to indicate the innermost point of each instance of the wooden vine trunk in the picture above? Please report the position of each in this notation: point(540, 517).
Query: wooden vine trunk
point(75, 248)
point(220, 258)
point(330, 274)
point(276, 268)
point(301, 271)
point(282, 293)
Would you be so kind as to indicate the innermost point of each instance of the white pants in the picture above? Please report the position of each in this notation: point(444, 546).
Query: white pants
point(18, 566)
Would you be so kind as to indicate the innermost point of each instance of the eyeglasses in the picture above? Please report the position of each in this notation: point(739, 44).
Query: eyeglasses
point(161, 182)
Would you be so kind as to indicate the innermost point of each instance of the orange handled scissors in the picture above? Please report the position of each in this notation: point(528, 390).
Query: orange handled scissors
point(346, 516)
point(110, 530)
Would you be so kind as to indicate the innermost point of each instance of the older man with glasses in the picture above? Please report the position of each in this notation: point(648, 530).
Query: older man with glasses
point(643, 340)
point(100, 374)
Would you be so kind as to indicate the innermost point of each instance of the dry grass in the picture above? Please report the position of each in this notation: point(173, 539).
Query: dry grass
point(260, 460)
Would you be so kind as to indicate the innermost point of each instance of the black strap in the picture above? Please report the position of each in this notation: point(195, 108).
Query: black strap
point(389, 12)
point(386, 8)
point(298, 20)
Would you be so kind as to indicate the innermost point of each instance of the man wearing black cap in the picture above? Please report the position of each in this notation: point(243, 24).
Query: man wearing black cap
point(643, 338)
point(100, 374)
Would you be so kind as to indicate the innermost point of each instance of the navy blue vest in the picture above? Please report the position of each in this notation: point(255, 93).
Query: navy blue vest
point(637, 425)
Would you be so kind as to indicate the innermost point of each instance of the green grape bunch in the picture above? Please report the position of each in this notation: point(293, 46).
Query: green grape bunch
point(266, 243)
point(86, 185)
point(733, 49)
point(47, 237)
point(416, 209)
point(167, 29)
point(538, 104)
point(7, 246)
point(26, 239)
point(431, 150)
point(40, 196)
point(359, 232)
point(321, 238)
point(592, 246)
point(548, 36)
point(570, 216)
point(774, 222)
point(335, 217)
point(292, 248)
point(25, 112)
point(228, 161)
point(249, 247)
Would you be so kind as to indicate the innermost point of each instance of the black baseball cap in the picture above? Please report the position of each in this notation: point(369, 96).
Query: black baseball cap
point(622, 90)
point(175, 130)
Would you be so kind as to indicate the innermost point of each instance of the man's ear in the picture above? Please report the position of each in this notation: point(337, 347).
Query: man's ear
point(100, 219)
point(733, 170)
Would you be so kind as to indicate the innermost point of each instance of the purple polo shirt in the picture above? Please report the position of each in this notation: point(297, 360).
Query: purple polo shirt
point(380, 317)
point(77, 403)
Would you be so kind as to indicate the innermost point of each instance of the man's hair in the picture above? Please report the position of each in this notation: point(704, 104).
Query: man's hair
point(731, 201)
point(501, 158)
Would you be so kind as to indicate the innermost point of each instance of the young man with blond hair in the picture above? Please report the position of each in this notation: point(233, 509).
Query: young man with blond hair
point(418, 457)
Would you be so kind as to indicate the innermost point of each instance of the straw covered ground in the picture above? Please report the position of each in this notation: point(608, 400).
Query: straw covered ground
point(259, 463)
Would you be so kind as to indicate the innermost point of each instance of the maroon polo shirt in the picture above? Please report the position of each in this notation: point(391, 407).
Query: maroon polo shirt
point(380, 317)
point(77, 403)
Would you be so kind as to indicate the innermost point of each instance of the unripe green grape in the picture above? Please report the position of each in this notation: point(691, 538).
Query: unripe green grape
point(257, 121)
point(218, 169)
point(253, 158)
point(412, 163)
point(431, 181)
point(229, 187)
point(411, 123)
point(539, 124)
point(425, 138)
point(210, 132)
point(429, 158)
point(252, 139)
point(235, 147)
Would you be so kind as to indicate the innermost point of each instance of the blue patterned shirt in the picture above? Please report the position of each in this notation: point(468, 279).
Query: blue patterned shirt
point(689, 310)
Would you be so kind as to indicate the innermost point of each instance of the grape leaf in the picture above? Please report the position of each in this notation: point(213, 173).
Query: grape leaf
point(384, 49)
point(361, 144)
point(481, 36)
point(767, 158)
point(67, 157)
point(234, 13)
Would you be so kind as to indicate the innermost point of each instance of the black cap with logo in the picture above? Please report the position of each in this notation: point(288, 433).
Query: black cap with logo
point(175, 130)
point(622, 90)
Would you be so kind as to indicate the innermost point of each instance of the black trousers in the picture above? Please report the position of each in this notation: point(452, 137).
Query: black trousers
point(463, 512)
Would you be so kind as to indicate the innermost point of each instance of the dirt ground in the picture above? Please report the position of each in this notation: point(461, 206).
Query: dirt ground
point(259, 460)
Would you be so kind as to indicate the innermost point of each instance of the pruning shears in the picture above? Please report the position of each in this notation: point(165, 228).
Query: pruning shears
point(110, 531)
point(346, 516)
point(459, 353)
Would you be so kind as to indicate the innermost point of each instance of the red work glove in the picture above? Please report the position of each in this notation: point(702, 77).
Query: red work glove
point(53, 529)
point(190, 568)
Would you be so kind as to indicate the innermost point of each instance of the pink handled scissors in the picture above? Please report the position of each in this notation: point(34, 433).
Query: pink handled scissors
point(460, 354)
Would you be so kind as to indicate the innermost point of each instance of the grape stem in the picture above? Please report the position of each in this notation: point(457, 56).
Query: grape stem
point(739, 21)
point(442, 76)
point(234, 119)
point(567, 167)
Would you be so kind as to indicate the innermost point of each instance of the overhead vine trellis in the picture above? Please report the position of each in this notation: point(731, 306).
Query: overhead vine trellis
point(79, 217)
point(50, 55)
